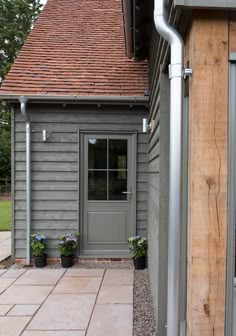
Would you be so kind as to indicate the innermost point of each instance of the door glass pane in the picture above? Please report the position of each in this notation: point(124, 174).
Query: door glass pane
point(97, 185)
point(117, 154)
point(117, 184)
point(97, 153)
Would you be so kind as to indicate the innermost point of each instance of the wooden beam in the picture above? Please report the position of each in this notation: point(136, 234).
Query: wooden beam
point(232, 34)
point(208, 57)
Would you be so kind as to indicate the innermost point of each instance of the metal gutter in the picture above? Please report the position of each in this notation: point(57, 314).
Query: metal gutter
point(206, 4)
point(176, 75)
point(80, 99)
point(23, 102)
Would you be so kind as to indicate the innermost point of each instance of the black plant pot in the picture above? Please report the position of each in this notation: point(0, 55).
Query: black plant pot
point(40, 261)
point(67, 261)
point(139, 263)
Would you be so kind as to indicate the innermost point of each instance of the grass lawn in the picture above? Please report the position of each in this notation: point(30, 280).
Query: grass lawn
point(5, 215)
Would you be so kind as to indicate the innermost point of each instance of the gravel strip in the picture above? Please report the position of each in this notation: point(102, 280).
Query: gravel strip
point(144, 323)
point(97, 265)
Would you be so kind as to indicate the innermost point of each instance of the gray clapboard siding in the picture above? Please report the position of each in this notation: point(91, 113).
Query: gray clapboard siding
point(49, 167)
point(48, 176)
point(51, 147)
point(142, 167)
point(48, 195)
point(53, 186)
point(85, 117)
point(45, 225)
point(55, 137)
point(46, 205)
point(53, 156)
point(55, 166)
point(49, 215)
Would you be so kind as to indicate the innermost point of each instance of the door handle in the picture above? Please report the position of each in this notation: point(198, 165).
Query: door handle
point(126, 192)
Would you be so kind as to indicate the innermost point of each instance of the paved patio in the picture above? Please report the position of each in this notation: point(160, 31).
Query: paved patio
point(73, 302)
point(5, 244)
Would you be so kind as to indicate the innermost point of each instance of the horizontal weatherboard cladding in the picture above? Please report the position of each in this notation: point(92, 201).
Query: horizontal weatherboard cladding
point(55, 166)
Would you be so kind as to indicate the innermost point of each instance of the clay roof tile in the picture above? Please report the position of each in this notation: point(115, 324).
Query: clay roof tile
point(77, 46)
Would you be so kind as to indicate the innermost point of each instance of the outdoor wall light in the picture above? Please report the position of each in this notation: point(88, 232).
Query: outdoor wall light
point(45, 136)
point(147, 127)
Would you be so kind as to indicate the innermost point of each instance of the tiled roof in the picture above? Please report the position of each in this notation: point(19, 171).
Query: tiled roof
point(77, 47)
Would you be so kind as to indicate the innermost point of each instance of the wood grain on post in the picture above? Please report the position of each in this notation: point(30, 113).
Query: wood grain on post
point(208, 57)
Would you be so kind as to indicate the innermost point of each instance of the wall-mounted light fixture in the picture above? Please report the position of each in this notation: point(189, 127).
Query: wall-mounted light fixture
point(147, 127)
point(45, 135)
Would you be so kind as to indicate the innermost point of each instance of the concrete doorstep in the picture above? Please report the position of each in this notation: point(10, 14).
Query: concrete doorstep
point(73, 302)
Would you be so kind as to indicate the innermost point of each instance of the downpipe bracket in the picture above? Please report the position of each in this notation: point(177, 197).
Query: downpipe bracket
point(187, 72)
point(177, 70)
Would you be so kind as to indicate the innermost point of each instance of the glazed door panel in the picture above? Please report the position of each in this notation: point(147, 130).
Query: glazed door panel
point(108, 186)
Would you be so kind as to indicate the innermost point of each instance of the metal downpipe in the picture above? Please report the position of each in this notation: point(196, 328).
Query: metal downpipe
point(176, 72)
point(23, 101)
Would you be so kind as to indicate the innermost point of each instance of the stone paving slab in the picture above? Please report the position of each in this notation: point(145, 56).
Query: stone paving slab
point(25, 294)
point(13, 273)
point(13, 326)
point(40, 277)
point(59, 302)
point(119, 277)
point(23, 310)
point(111, 319)
point(5, 244)
point(4, 235)
point(5, 283)
point(115, 294)
point(4, 309)
point(70, 285)
point(83, 272)
point(64, 312)
point(54, 333)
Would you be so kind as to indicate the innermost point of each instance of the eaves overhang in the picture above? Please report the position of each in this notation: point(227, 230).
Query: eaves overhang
point(84, 100)
point(136, 20)
point(206, 4)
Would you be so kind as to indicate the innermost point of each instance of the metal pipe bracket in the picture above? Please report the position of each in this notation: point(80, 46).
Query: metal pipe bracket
point(176, 70)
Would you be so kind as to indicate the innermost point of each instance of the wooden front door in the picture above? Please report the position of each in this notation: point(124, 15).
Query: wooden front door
point(108, 178)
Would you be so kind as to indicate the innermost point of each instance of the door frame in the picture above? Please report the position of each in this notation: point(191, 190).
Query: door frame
point(231, 197)
point(81, 134)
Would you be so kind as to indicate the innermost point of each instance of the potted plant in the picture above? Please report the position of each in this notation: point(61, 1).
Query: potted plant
point(138, 247)
point(67, 244)
point(38, 245)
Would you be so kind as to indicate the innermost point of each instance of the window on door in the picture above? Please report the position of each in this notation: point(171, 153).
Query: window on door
point(107, 169)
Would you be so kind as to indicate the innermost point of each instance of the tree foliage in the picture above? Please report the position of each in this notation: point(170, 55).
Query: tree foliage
point(17, 18)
